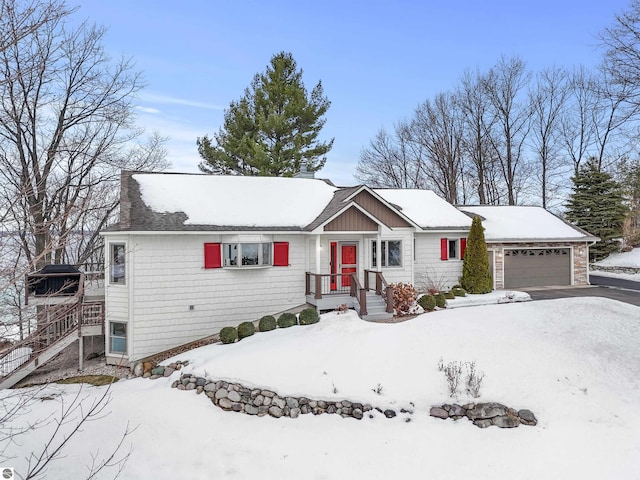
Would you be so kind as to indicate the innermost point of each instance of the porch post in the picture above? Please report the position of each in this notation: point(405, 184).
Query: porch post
point(379, 250)
point(318, 251)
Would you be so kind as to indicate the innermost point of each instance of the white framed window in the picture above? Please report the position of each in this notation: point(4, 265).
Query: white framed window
point(117, 337)
point(117, 261)
point(247, 254)
point(391, 255)
point(453, 248)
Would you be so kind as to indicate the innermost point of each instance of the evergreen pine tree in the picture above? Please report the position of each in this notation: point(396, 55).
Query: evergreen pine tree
point(597, 206)
point(273, 129)
point(476, 277)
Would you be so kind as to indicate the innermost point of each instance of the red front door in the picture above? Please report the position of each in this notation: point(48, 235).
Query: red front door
point(348, 262)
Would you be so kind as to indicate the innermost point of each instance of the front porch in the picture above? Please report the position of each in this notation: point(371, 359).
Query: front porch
point(373, 301)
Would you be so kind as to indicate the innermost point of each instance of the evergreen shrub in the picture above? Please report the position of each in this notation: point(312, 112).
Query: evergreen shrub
point(287, 320)
point(267, 323)
point(308, 316)
point(449, 295)
point(459, 292)
point(441, 301)
point(427, 302)
point(246, 329)
point(228, 334)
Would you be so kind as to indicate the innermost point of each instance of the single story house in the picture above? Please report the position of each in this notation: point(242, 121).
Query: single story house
point(194, 253)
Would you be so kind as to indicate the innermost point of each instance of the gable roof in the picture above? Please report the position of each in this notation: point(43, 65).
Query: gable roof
point(426, 209)
point(192, 202)
point(520, 223)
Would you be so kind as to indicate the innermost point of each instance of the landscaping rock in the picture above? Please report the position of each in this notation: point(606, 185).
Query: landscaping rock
point(225, 403)
point(157, 371)
point(234, 396)
point(389, 413)
point(439, 412)
point(506, 421)
point(483, 422)
point(221, 393)
point(486, 410)
point(275, 411)
point(138, 369)
point(168, 371)
point(527, 417)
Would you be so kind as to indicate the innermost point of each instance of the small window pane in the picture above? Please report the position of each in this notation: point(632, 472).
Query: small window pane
point(395, 253)
point(266, 254)
point(374, 260)
point(118, 266)
point(230, 254)
point(384, 253)
point(118, 337)
point(453, 249)
point(250, 253)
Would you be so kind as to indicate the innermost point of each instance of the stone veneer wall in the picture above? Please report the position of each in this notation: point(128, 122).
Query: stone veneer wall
point(580, 258)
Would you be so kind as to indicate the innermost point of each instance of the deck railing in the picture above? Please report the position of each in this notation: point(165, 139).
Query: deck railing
point(64, 320)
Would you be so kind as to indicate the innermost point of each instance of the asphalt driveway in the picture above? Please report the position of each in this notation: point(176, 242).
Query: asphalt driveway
point(601, 287)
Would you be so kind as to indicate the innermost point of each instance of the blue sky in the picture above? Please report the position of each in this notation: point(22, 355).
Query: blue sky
point(377, 60)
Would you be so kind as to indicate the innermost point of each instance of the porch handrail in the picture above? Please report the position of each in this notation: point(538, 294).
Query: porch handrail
point(359, 293)
point(381, 286)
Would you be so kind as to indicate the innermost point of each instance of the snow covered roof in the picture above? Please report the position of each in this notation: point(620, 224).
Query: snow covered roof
point(230, 201)
point(521, 223)
point(426, 208)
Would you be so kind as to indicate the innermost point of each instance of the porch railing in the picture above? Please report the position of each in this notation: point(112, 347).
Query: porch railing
point(319, 285)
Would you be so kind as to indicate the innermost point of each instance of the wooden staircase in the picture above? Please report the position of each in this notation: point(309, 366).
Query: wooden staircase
point(64, 325)
point(376, 308)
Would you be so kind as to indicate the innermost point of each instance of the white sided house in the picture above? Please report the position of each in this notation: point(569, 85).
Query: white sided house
point(194, 253)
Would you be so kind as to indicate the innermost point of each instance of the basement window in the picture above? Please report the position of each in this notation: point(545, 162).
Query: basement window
point(118, 337)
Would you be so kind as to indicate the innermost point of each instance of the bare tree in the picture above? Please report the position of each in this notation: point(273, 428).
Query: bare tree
point(478, 125)
point(66, 124)
point(504, 86)
point(578, 130)
point(622, 53)
point(393, 161)
point(548, 100)
point(67, 424)
point(437, 127)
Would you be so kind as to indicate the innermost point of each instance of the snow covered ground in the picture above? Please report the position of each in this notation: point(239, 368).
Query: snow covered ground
point(573, 362)
point(624, 259)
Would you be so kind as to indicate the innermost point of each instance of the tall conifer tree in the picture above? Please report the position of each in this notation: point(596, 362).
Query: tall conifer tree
point(273, 129)
point(476, 276)
point(597, 206)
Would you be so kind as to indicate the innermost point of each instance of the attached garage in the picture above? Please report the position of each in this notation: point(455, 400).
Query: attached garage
point(531, 247)
point(534, 267)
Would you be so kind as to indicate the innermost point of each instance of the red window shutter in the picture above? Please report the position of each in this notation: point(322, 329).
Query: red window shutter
point(463, 247)
point(212, 255)
point(444, 249)
point(280, 254)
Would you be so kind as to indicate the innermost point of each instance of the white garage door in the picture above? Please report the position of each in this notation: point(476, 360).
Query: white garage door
point(537, 267)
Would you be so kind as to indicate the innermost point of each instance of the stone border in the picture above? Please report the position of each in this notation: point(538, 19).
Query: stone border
point(484, 415)
point(603, 268)
point(236, 397)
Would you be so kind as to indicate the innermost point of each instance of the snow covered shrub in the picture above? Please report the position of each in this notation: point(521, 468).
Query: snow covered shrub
point(404, 295)
point(474, 380)
point(459, 292)
point(308, 316)
point(287, 320)
point(449, 295)
point(267, 323)
point(228, 335)
point(428, 302)
point(453, 373)
point(441, 301)
point(246, 329)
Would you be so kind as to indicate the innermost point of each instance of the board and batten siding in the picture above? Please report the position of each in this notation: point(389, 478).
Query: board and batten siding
point(429, 268)
point(176, 300)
